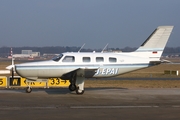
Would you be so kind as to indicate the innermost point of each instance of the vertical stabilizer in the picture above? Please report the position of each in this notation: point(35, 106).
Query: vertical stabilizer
point(154, 45)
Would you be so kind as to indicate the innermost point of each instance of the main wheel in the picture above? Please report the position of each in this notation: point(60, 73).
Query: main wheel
point(72, 87)
point(79, 92)
point(28, 90)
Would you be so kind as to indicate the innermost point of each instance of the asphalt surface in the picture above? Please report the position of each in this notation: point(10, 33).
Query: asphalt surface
point(95, 103)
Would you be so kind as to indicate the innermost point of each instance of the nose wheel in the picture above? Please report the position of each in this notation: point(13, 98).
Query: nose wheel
point(28, 89)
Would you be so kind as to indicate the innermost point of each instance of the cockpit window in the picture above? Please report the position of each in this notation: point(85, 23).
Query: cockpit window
point(57, 58)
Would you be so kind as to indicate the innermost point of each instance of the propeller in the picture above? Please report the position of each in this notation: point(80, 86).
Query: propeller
point(11, 67)
point(12, 72)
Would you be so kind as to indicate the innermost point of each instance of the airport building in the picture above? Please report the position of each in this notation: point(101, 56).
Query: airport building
point(26, 54)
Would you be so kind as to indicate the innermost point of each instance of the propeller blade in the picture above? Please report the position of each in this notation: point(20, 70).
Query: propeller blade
point(12, 73)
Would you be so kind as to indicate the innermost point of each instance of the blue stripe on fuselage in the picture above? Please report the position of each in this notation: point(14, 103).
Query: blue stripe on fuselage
point(78, 66)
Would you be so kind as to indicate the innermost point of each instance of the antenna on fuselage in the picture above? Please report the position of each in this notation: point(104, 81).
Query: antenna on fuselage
point(81, 47)
point(104, 47)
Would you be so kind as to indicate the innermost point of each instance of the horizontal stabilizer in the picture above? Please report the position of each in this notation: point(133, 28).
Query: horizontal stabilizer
point(160, 61)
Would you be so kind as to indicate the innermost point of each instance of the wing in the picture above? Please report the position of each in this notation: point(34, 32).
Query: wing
point(86, 72)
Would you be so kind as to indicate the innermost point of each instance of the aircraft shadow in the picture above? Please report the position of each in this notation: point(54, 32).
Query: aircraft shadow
point(66, 90)
point(57, 91)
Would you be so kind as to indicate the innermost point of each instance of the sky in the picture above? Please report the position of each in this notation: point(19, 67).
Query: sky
point(120, 23)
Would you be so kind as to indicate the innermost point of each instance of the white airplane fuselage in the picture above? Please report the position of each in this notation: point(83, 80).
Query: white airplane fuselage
point(103, 65)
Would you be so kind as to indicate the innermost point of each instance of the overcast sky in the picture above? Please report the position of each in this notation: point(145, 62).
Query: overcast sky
point(120, 23)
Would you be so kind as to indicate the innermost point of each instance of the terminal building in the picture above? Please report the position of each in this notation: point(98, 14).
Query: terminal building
point(30, 52)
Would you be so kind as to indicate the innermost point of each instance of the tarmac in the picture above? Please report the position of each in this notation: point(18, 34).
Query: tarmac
point(95, 103)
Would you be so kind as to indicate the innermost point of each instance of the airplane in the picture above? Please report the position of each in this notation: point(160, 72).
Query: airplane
point(78, 66)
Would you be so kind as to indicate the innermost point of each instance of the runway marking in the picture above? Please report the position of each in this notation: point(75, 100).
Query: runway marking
point(176, 106)
point(84, 107)
point(110, 107)
point(19, 108)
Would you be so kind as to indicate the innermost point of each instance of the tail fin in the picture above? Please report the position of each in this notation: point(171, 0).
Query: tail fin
point(154, 45)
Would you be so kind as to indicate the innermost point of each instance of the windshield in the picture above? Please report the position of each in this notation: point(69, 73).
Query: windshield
point(57, 58)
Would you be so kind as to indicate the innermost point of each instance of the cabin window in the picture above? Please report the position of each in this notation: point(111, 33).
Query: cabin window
point(99, 59)
point(112, 60)
point(68, 59)
point(57, 58)
point(86, 59)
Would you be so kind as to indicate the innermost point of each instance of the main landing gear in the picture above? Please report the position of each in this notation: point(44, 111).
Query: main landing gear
point(77, 84)
point(73, 87)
